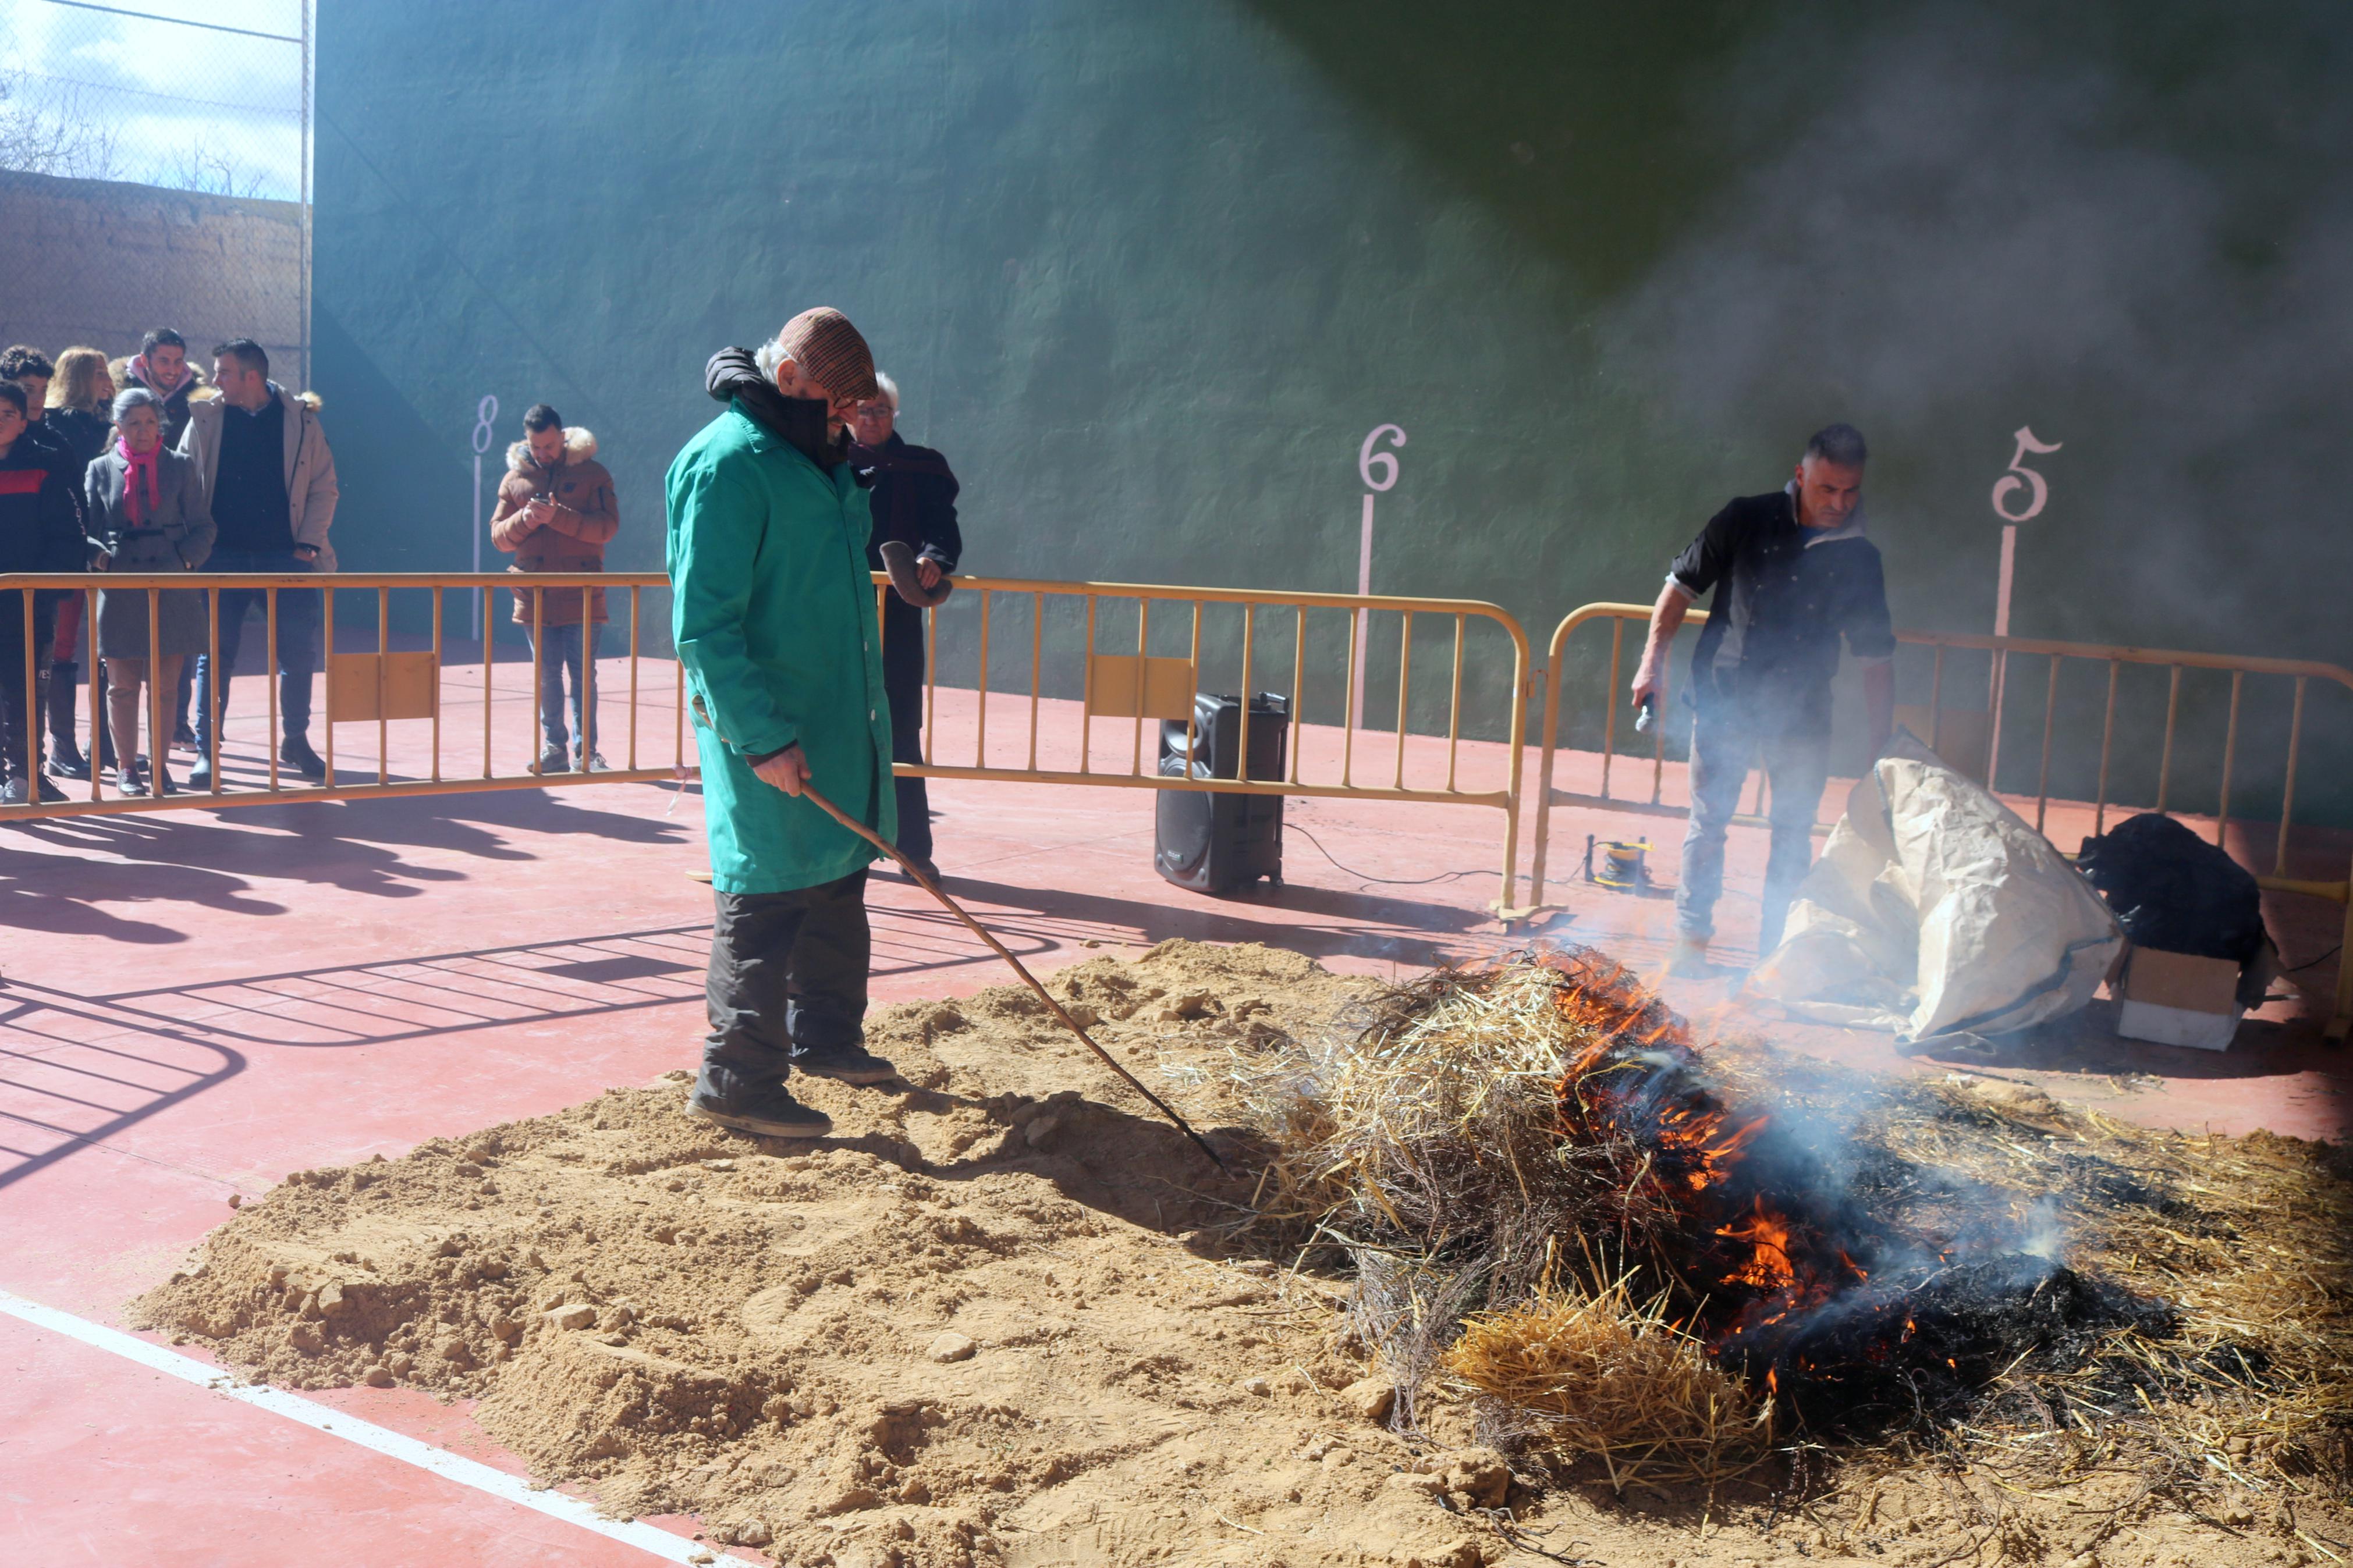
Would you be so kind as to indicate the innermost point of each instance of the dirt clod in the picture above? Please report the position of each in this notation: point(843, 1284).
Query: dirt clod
point(1371, 1398)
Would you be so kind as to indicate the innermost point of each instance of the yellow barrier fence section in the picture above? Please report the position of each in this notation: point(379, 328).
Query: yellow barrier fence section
point(376, 689)
point(1971, 738)
point(1301, 645)
point(1127, 690)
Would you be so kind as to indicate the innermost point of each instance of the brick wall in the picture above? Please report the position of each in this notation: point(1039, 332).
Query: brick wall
point(100, 261)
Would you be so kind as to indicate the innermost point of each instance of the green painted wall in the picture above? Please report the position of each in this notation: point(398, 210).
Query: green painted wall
point(1149, 272)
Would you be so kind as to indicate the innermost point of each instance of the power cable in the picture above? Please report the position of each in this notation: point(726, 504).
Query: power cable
point(1386, 881)
point(2322, 959)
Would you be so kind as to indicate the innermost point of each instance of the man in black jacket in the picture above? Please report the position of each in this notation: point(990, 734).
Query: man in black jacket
point(914, 497)
point(29, 368)
point(1793, 573)
point(41, 530)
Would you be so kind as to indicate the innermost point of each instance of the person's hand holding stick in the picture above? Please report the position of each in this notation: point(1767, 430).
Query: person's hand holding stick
point(789, 770)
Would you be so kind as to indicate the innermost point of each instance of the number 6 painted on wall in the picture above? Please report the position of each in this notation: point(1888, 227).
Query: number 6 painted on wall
point(2021, 478)
point(1366, 459)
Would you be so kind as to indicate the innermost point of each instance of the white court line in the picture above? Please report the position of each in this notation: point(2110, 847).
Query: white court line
point(367, 1435)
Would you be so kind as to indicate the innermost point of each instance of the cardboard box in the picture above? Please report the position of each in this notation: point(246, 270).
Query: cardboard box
point(2178, 999)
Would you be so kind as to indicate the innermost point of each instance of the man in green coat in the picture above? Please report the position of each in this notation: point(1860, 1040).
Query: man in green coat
point(773, 617)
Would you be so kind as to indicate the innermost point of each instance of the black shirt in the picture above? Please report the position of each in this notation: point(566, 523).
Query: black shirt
point(250, 506)
point(913, 498)
point(1787, 593)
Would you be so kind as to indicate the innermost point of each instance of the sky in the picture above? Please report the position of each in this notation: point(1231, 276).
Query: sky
point(101, 91)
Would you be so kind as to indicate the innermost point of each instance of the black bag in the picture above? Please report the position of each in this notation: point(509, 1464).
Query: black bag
point(2171, 890)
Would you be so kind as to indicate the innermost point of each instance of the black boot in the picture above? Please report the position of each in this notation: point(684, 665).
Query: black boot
point(18, 789)
point(66, 758)
point(42, 789)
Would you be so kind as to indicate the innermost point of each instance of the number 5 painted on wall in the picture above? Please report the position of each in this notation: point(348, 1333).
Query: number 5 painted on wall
point(2021, 478)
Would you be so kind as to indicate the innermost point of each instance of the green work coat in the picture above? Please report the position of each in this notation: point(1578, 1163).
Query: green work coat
point(773, 613)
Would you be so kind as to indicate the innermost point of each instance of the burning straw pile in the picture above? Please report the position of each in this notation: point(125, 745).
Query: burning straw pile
point(1620, 1249)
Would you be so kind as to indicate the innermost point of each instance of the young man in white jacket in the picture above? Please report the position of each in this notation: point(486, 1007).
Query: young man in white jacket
point(271, 478)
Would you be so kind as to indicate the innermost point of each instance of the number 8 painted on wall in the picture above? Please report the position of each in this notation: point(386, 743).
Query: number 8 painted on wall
point(2021, 478)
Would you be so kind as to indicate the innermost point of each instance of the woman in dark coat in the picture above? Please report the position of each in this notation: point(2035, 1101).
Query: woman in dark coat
point(147, 513)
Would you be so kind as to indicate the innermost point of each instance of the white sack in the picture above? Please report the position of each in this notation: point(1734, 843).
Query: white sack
point(1936, 909)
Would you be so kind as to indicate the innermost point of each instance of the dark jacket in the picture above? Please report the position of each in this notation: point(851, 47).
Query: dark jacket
point(174, 412)
point(58, 452)
point(1785, 596)
point(40, 527)
point(84, 433)
point(913, 494)
point(175, 536)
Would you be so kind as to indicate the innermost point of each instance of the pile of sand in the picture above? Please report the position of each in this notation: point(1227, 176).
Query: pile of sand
point(985, 1314)
point(1005, 1315)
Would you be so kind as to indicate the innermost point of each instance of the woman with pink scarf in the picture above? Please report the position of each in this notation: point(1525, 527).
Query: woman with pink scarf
point(147, 513)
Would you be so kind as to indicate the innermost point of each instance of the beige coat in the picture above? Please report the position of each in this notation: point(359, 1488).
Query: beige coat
point(311, 489)
point(556, 520)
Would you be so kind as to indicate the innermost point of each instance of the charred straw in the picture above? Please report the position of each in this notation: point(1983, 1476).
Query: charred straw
point(1663, 1258)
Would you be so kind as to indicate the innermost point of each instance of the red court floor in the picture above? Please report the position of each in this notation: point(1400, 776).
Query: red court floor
point(199, 1002)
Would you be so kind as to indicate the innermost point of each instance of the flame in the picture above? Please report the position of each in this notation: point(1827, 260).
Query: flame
point(1769, 1267)
point(1634, 1091)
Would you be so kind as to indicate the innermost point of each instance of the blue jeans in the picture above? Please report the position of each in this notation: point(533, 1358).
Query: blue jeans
point(299, 622)
point(562, 659)
point(1797, 767)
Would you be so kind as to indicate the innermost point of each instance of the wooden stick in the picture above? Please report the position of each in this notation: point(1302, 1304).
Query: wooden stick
point(868, 834)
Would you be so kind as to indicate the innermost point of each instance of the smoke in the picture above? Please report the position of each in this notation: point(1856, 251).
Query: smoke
point(2046, 1233)
point(1973, 224)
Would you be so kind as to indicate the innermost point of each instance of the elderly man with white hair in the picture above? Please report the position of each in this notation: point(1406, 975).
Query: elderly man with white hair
point(913, 496)
point(774, 619)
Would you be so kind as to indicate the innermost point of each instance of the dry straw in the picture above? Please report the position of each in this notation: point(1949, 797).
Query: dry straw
point(1599, 1375)
point(1429, 1140)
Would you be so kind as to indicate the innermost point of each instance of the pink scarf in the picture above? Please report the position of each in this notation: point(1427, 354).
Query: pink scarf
point(145, 373)
point(140, 467)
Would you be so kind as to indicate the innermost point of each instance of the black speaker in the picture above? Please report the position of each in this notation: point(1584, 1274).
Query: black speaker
point(1211, 841)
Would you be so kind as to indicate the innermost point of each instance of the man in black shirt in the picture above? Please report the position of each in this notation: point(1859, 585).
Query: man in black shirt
point(1793, 573)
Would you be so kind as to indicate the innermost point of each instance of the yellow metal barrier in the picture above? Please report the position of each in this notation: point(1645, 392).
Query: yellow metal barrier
point(390, 685)
point(2000, 651)
point(376, 688)
point(1135, 685)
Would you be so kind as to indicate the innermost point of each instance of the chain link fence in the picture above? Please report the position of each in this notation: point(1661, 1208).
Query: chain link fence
point(155, 168)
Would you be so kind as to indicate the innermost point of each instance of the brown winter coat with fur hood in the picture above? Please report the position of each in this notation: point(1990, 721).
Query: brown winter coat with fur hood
point(556, 520)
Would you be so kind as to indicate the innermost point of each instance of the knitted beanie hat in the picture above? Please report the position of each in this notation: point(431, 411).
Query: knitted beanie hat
point(829, 352)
